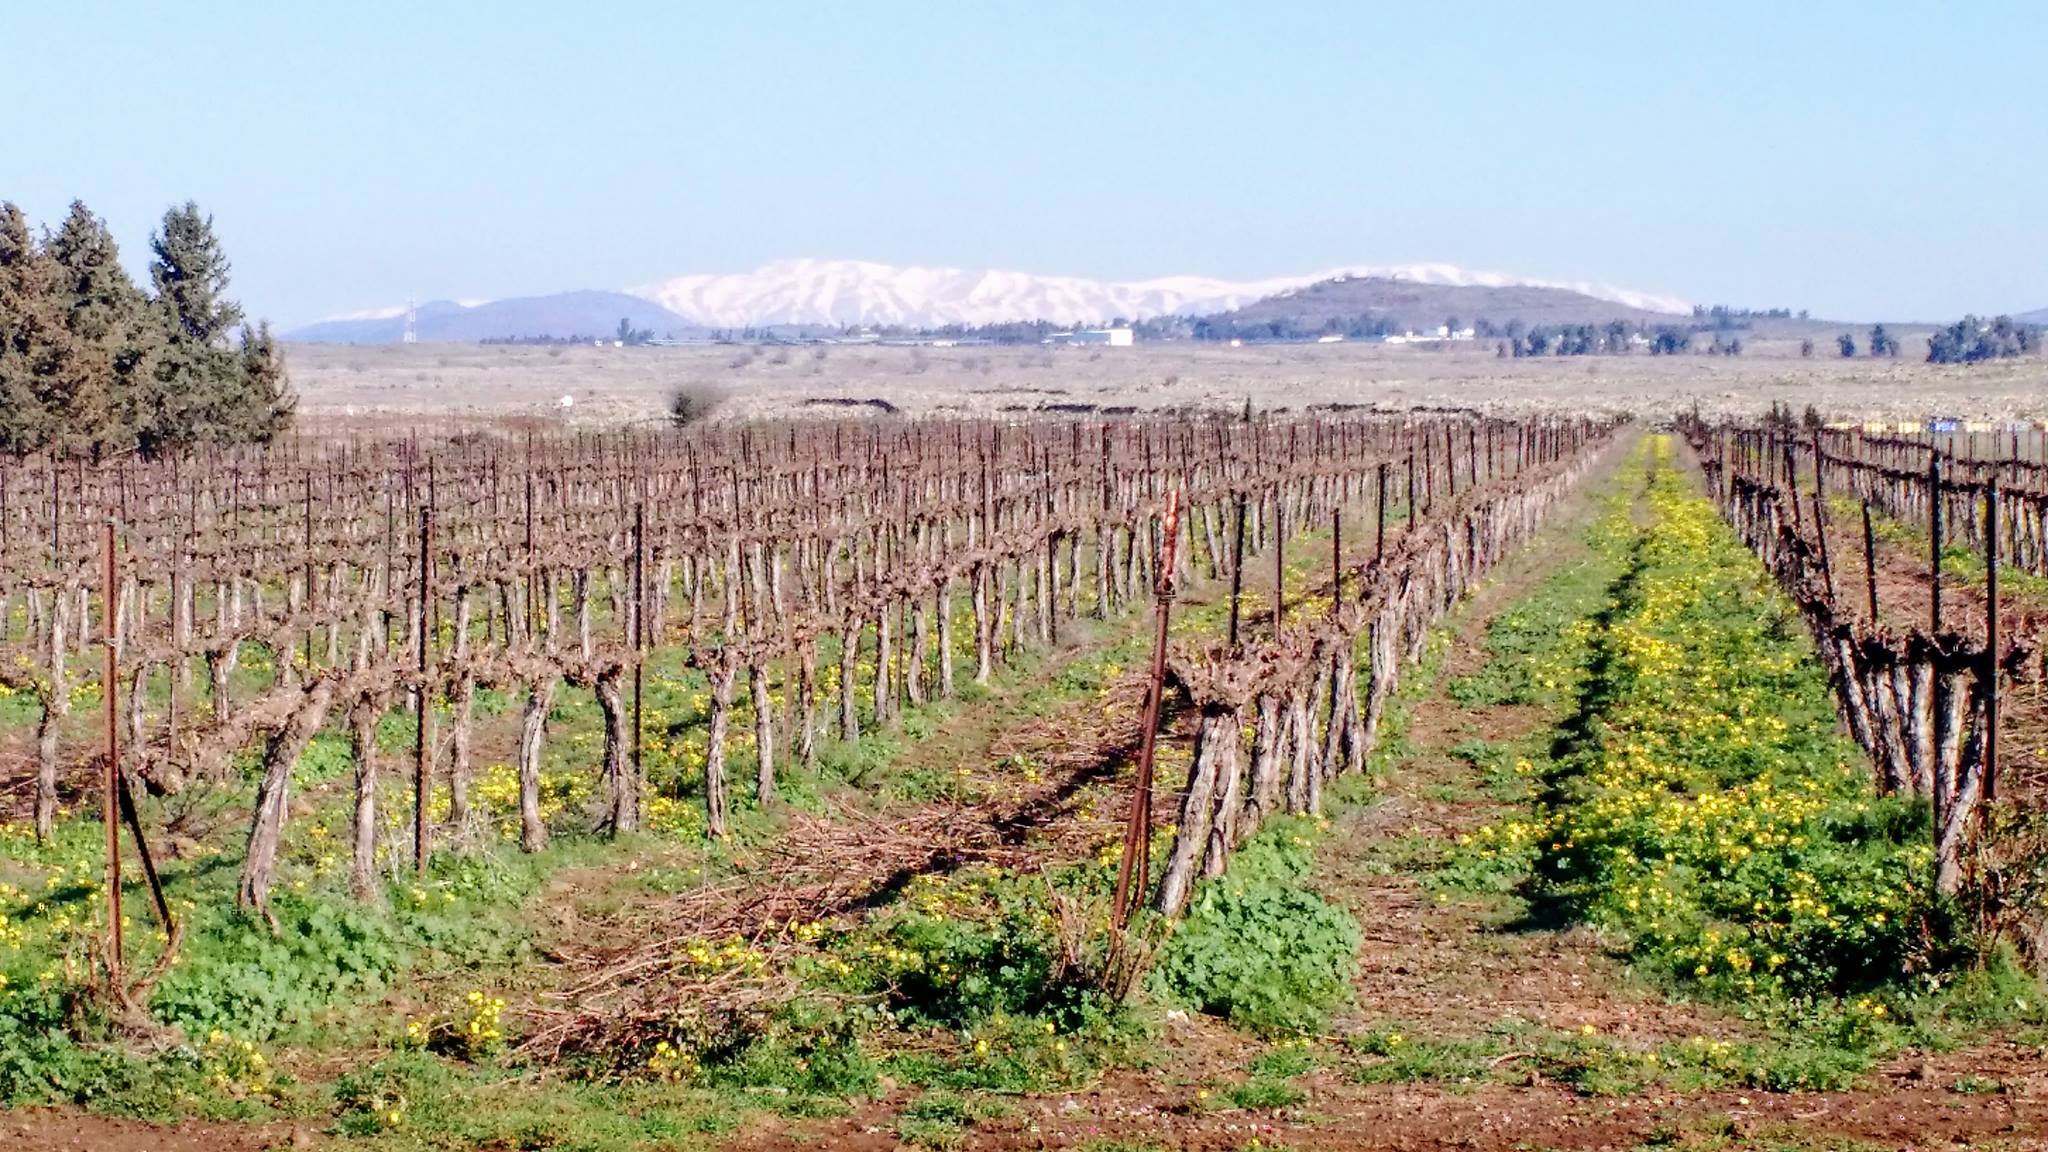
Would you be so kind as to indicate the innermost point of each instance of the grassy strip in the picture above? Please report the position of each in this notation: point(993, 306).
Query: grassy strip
point(1698, 806)
point(1706, 802)
point(1702, 805)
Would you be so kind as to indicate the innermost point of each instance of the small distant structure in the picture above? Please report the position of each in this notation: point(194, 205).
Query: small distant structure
point(1103, 337)
point(1333, 338)
point(1443, 333)
point(567, 401)
point(412, 323)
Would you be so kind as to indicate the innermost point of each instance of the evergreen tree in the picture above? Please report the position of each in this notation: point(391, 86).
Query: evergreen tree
point(265, 402)
point(196, 384)
point(91, 366)
point(1847, 344)
point(27, 329)
point(1970, 340)
point(107, 320)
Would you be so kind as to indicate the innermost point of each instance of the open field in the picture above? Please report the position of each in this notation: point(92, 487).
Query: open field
point(626, 384)
point(1501, 798)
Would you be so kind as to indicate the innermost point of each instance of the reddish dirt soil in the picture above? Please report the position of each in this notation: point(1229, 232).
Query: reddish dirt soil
point(1441, 968)
point(37, 1130)
point(1447, 969)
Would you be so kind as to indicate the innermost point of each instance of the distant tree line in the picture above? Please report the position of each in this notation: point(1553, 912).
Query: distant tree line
point(1966, 341)
point(625, 334)
point(1971, 339)
point(1006, 332)
point(1722, 317)
point(1882, 344)
point(538, 341)
point(91, 365)
point(1225, 326)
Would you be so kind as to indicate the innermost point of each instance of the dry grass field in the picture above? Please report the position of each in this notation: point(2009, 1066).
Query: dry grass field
point(460, 383)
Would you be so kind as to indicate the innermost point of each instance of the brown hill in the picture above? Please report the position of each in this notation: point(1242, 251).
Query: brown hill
point(1407, 304)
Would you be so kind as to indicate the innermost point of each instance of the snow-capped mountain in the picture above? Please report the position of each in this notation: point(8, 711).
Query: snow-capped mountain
point(840, 292)
point(836, 293)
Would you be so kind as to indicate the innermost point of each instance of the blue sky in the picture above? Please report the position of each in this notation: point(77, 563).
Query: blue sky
point(1859, 159)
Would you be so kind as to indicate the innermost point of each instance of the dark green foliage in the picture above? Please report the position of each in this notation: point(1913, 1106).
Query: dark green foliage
point(959, 950)
point(1670, 341)
point(261, 406)
point(1258, 948)
point(92, 366)
point(1882, 343)
point(245, 981)
point(107, 326)
point(28, 337)
point(691, 403)
point(1847, 344)
point(1970, 340)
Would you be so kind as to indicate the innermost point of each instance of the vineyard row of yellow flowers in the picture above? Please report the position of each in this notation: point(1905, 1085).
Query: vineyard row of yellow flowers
point(1709, 809)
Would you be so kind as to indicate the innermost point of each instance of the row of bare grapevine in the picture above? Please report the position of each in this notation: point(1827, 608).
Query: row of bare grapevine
point(362, 577)
point(1937, 678)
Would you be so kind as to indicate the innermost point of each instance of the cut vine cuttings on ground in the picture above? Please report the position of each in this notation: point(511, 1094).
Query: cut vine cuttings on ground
point(1607, 877)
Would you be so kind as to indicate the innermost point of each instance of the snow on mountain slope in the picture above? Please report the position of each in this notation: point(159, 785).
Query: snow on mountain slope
point(842, 292)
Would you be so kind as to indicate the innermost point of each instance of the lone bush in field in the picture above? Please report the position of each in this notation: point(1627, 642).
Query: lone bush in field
point(1258, 948)
point(692, 404)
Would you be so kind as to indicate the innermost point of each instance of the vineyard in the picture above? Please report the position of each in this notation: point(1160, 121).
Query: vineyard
point(1054, 783)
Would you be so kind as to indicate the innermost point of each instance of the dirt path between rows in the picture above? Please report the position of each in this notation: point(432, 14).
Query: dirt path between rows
point(1438, 966)
point(1455, 967)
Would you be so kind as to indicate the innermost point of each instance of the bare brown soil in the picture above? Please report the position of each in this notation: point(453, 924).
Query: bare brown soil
point(51, 1130)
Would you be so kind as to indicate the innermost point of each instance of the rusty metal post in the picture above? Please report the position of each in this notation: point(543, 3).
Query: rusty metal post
point(1411, 490)
point(311, 615)
point(639, 644)
point(532, 565)
point(1820, 520)
point(422, 777)
point(111, 779)
point(124, 797)
point(1991, 638)
point(1934, 535)
point(1379, 547)
point(1792, 482)
point(1133, 871)
point(1237, 572)
point(1336, 558)
point(1279, 560)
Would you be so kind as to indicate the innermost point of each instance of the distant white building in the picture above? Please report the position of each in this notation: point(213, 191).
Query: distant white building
point(1443, 332)
point(1112, 337)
